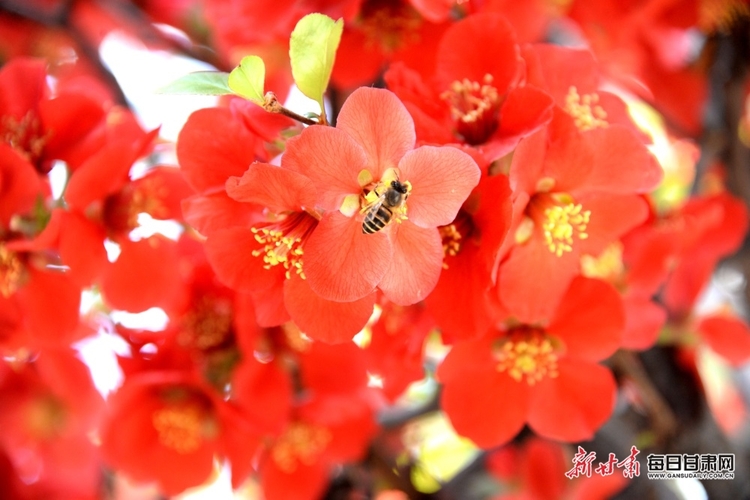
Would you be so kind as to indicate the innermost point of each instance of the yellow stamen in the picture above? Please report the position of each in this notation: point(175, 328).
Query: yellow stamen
point(585, 110)
point(531, 357)
point(301, 443)
point(179, 428)
point(561, 224)
point(11, 270)
point(607, 266)
point(24, 135)
point(451, 242)
point(207, 324)
point(474, 107)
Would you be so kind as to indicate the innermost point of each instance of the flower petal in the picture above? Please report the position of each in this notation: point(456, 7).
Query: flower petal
point(212, 146)
point(589, 320)
point(146, 274)
point(331, 159)
point(381, 124)
point(476, 46)
point(325, 320)
point(342, 263)
point(611, 217)
point(728, 337)
point(277, 188)
point(473, 389)
point(216, 211)
point(416, 264)
point(441, 178)
point(572, 406)
point(230, 252)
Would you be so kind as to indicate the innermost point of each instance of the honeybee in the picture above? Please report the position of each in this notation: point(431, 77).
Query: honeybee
point(380, 212)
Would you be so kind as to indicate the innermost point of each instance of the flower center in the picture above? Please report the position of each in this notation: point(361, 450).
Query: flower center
point(11, 269)
point(24, 135)
point(526, 355)
point(207, 325)
point(561, 223)
point(451, 241)
point(585, 110)
point(390, 24)
point(46, 417)
point(301, 443)
point(179, 427)
point(474, 108)
point(282, 242)
point(456, 235)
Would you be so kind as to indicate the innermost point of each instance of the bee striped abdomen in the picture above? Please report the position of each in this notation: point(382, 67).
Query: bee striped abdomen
point(376, 220)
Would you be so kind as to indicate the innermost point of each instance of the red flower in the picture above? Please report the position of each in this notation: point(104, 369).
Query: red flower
point(546, 377)
point(478, 96)
point(728, 336)
point(267, 258)
point(163, 427)
point(349, 166)
point(574, 193)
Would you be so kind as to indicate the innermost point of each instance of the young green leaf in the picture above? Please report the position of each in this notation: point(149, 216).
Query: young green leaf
point(248, 79)
point(312, 50)
point(199, 83)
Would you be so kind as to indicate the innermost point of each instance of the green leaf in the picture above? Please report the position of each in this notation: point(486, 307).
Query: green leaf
point(248, 79)
point(199, 83)
point(312, 50)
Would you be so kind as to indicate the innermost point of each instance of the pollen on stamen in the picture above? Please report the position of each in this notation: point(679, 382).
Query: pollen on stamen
point(282, 242)
point(11, 269)
point(562, 223)
point(451, 242)
point(585, 110)
point(179, 428)
point(474, 108)
point(24, 135)
point(301, 443)
point(527, 357)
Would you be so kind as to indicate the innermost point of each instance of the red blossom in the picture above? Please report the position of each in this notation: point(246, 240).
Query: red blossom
point(546, 377)
point(371, 146)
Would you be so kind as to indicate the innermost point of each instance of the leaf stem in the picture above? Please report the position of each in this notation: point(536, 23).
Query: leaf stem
point(272, 105)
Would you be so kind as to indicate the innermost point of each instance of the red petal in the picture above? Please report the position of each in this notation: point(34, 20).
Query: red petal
point(325, 320)
point(20, 185)
point(611, 217)
point(270, 309)
point(146, 274)
point(213, 146)
point(230, 252)
point(524, 111)
point(305, 482)
point(217, 211)
point(473, 389)
point(589, 320)
point(277, 188)
point(416, 264)
point(533, 280)
point(528, 162)
point(476, 46)
point(556, 69)
point(621, 162)
point(51, 303)
point(380, 124)
point(165, 187)
point(101, 174)
point(328, 370)
point(572, 406)
point(264, 392)
point(22, 85)
point(331, 159)
point(441, 178)
point(643, 322)
point(728, 337)
point(82, 248)
point(70, 118)
point(343, 264)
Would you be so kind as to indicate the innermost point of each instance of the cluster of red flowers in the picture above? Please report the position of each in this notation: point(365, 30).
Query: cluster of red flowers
point(496, 191)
